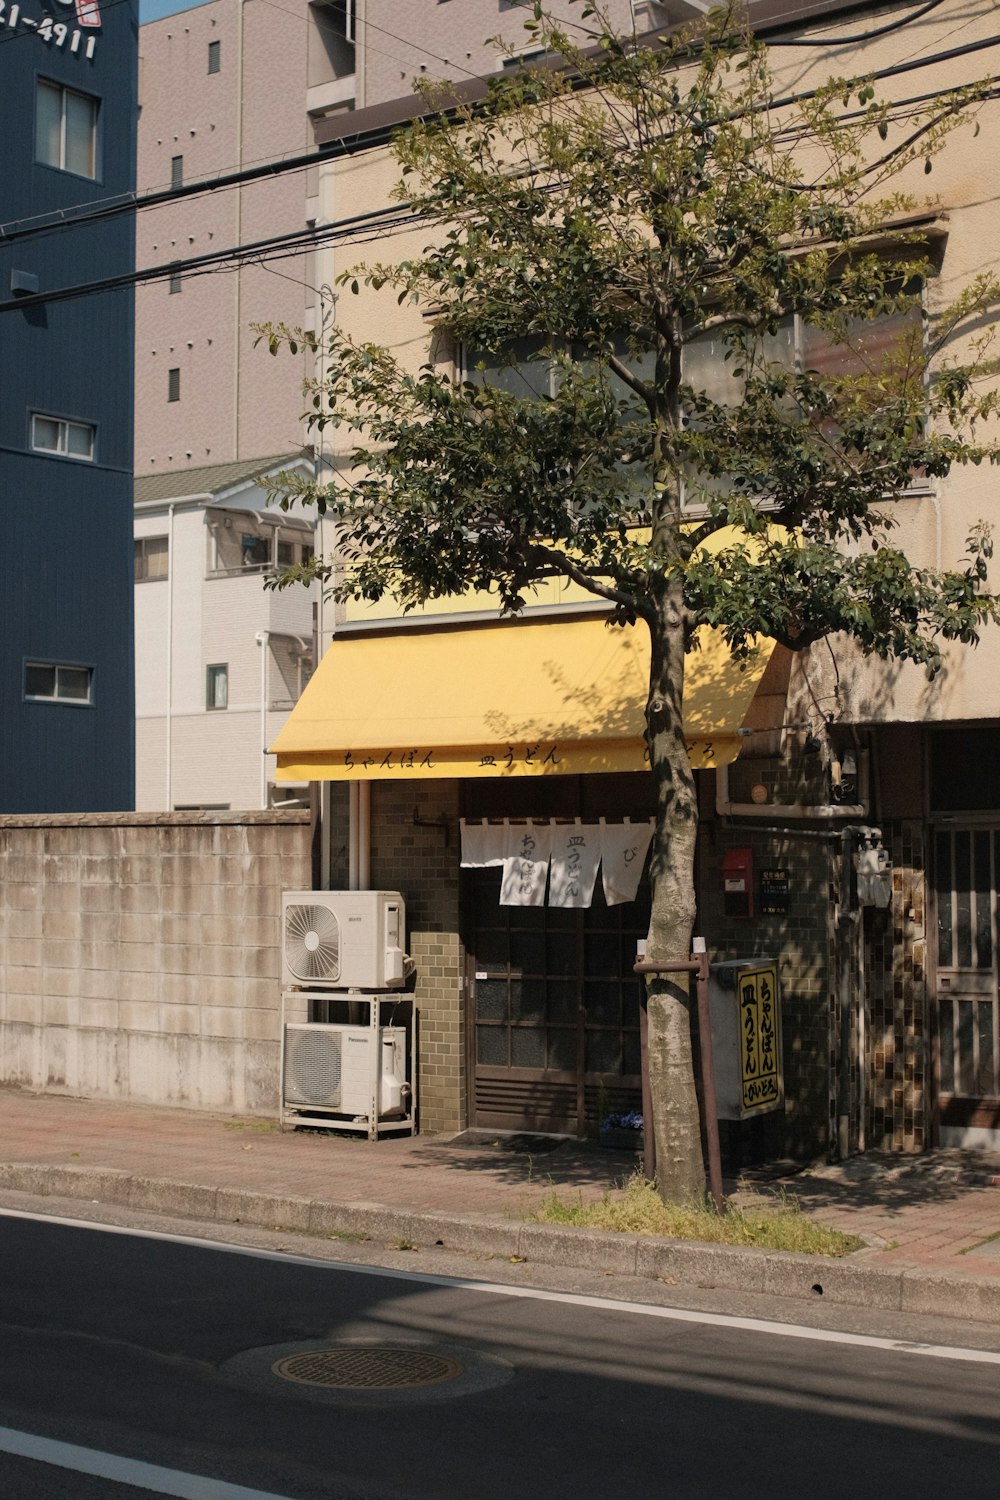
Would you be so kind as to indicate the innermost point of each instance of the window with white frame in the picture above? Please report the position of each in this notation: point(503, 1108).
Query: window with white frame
point(151, 558)
point(215, 57)
point(65, 128)
point(57, 435)
point(217, 686)
point(237, 545)
point(57, 682)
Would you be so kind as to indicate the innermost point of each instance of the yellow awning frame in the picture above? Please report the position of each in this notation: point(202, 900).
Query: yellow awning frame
point(561, 696)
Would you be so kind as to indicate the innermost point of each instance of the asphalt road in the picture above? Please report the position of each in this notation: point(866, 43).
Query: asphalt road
point(159, 1353)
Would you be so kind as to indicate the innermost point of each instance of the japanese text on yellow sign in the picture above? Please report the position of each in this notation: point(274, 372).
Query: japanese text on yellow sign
point(760, 1059)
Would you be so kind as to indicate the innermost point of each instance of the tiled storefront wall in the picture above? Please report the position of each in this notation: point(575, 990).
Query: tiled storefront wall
point(801, 942)
point(897, 1050)
point(139, 954)
point(414, 838)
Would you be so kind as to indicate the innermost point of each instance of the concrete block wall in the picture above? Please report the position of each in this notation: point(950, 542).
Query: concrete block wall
point(140, 958)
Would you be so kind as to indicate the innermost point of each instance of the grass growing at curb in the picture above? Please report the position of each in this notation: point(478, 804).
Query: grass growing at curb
point(639, 1210)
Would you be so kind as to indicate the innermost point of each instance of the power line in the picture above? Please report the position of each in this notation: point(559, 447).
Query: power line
point(279, 247)
point(354, 229)
point(863, 36)
point(132, 202)
point(381, 135)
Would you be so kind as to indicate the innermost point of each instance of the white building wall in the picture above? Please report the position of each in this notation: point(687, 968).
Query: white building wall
point(216, 756)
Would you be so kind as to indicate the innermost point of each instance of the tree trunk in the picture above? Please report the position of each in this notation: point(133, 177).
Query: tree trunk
point(680, 1170)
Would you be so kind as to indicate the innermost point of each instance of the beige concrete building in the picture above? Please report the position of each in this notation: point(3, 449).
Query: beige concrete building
point(222, 87)
point(891, 1014)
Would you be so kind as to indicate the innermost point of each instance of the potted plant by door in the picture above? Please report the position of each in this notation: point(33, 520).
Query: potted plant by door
point(622, 1132)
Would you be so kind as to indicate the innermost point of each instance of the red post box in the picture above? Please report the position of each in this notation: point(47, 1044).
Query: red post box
point(737, 882)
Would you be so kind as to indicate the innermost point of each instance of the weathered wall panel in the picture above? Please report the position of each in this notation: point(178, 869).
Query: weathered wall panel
point(140, 955)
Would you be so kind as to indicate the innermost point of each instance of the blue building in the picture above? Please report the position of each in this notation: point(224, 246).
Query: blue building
point(68, 84)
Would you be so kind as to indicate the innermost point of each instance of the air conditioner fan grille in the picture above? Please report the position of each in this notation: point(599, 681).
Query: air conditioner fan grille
point(313, 1067)
point(312, 942)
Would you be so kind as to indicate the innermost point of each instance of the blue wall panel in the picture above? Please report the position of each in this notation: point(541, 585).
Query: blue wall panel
point(66, 524)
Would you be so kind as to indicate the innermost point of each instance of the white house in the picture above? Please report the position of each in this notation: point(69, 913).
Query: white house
point(220, 658)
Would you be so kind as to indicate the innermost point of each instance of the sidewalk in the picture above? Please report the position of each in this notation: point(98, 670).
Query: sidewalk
point(931, 1224)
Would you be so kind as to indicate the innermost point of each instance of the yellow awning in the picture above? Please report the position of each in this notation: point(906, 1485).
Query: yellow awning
point(549, 697)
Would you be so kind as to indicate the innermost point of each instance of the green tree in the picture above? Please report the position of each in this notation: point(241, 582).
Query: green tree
point(628, 240)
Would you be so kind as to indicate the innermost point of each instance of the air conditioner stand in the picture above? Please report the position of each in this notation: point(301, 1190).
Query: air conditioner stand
point(332, 1006)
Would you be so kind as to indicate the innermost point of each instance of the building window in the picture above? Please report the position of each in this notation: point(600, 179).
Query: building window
point(214, 57)
point(342, 17)
point(173, 385)
point(255, 551)
point(65, 129)
point(290, 553)
point(174, 283)
point(523, 59)
point(49, 682)
point(151, 558)
point(217, 686)
point(68, 439)
point(176, 171)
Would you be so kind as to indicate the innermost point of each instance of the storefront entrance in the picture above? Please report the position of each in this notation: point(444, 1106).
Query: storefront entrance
point(966, 875)
point(556, 1011)
point(553, 1033)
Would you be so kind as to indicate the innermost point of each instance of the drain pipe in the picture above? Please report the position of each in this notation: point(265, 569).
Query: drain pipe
point(352, 835)
point(793, 810)
point(168, 748)
point(364, 835)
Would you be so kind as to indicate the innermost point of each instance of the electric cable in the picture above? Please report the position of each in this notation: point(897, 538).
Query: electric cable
point(296, 242)
point(132, 203)
point(864, 36)
point(279, 247)
point(24, 229)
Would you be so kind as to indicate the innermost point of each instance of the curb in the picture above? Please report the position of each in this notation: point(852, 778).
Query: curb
point(776, 1273)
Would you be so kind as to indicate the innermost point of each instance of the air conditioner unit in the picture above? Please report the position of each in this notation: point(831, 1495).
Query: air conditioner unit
point(350, 1070)
point(349, 940)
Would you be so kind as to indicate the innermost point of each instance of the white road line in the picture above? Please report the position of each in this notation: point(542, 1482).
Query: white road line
point(535, 1294)
point(125, 1470)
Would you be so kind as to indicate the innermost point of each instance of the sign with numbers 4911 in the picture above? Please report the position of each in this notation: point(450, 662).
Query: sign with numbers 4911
point(76, 34)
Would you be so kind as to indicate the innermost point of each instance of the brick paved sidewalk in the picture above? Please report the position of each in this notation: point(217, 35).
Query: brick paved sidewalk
point(932, 1212)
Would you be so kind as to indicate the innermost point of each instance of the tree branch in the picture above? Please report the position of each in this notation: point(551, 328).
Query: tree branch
point(560, 563)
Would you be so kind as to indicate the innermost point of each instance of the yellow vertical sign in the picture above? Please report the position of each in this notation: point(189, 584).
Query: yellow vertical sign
point(760, 1040)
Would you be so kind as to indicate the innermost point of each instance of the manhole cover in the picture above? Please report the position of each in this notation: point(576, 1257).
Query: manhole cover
point(350, 1367)
point(368, 1372)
